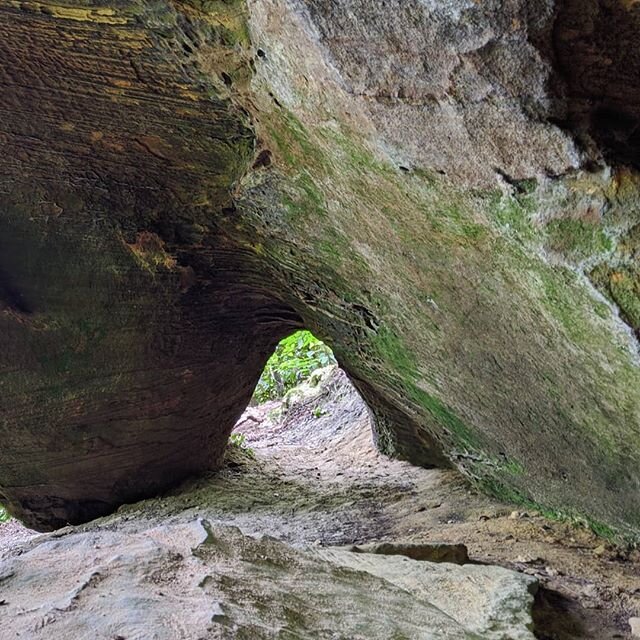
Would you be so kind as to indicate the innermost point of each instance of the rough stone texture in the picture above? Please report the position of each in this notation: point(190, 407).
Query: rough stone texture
point(473, 328)
point(133, 333)
point(441, 78)
point(436, 188)
point(489, 601)
point(185, 580)
point(335, 489)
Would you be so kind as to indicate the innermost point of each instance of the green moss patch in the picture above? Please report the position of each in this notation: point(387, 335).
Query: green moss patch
point(621, 286)
point(578, 239)
point(440, 299)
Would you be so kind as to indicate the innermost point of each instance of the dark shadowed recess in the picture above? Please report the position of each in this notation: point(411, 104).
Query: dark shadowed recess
point(592, 46)
point(135, 377)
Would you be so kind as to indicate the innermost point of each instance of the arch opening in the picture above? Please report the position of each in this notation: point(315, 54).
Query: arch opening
point(294, 361)
point(304, 398)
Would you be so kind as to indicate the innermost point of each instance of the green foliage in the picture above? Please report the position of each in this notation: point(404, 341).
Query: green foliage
point(4, 516)
point(239, 441)
point(293, 362)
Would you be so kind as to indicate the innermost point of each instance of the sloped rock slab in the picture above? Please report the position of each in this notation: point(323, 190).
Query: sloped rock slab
point(491, 601)
point(187, 580)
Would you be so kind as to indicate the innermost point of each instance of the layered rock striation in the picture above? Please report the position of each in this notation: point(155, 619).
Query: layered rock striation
point(445, 192)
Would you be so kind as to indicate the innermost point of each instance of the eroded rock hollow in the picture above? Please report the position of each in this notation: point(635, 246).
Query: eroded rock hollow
point(446, 193)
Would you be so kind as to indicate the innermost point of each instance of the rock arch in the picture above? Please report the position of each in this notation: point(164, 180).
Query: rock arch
point(173, 202)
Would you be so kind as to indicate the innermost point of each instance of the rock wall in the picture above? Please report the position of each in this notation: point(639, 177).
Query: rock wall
point(431, 187)
point(133, 332)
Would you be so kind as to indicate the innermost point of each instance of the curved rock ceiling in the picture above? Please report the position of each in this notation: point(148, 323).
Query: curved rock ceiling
point(444, 191)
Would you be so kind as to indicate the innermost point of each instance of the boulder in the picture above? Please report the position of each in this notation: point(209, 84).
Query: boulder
point(191, 579)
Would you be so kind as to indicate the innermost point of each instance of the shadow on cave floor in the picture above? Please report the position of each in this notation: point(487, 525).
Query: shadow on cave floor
point(305, 471)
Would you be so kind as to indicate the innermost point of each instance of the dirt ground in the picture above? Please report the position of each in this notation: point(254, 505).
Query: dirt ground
point(310, 475)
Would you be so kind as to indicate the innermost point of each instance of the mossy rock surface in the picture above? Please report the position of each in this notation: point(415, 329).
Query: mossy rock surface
point(187, 182)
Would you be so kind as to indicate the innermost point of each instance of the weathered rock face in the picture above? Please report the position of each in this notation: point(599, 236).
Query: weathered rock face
point(133, 332)
point(184, 580)
point(443, 191)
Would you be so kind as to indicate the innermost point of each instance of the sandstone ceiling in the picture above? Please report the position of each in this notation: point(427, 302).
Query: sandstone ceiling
point(446, 192)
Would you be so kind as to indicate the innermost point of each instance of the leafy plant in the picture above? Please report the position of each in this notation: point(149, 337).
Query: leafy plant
point(294, 361)
point(4, 516)
point(239, 441)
